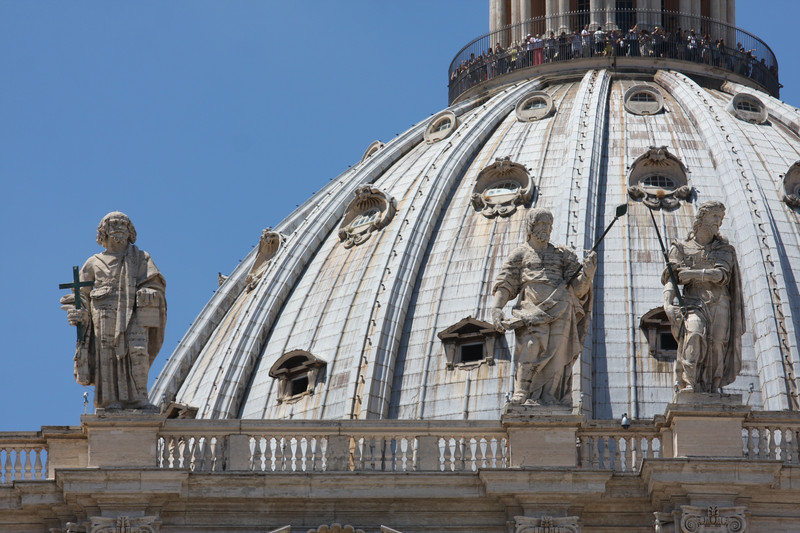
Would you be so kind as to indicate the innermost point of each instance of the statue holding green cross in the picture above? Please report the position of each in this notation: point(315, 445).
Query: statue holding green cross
point(120, 316)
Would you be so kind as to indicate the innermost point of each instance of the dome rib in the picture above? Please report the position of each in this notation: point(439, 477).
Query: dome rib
point(457, 154)
point(759, 276)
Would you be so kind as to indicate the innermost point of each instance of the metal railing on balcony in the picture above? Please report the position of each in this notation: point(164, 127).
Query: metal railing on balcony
point(613, 33)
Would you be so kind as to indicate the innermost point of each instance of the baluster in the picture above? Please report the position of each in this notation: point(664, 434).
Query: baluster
point(449, 456)
point(6, 474)
point(203, 454)
point(629, 455)
point(481, 449)
point(37, 465)
point(493, 445)
point(458, 454)
point(393, 450)
point(404, 454)
point(763, 443)
point(294, 452)
point(772, 444)
point(371, 445)
point(280, 449)
point(784, 449)
point(27, 472)
point(650, 452)
point(358, 453)
point(595, 451)
point(617, 442)
point(17, 465)
point(750, 451)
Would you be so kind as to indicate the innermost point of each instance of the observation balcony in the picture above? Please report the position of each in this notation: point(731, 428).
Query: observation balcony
point(718, 50)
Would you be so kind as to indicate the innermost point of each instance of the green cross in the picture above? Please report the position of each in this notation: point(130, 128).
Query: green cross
point(76, 287)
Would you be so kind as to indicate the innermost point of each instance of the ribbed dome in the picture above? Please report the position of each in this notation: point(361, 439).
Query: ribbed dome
point(366, 314)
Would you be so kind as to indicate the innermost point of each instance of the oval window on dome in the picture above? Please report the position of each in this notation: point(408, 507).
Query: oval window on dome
point(440, 126)
point(501, 187)
point(748, 108)
point(371, 150)
point(659, 179)
point(643, 99)
point(535, 105)
point(370, 211)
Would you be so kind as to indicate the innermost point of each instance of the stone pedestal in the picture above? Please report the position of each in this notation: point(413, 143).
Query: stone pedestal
point(706, 425)
point(541, 435)
point(126, 438)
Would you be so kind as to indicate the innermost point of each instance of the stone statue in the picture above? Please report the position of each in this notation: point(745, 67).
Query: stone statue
point(552, 313)
point(710, 324)
point(122, 317)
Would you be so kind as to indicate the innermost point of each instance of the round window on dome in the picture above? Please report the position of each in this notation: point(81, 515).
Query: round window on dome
point(501, 188)
point(748, 108)
point(659, 179)
point(502, 191)
point(643, 100)
point(370, 211)
point(440, 126)
point(535, 105)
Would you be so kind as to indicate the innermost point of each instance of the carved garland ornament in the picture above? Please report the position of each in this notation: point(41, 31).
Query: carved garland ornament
point(547, 524)
point(371, 210)
point(713, 519)
point(658, 179)
point(268, 246)
point(501, 187)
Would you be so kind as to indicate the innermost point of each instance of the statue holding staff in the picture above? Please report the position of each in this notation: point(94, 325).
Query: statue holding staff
point(552, 313)
point(709, 322)
point(121, 318)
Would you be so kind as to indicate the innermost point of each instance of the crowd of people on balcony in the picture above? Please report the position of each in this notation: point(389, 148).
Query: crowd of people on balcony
point(539, 49)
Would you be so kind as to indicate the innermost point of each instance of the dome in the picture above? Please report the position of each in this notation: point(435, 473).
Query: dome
point(372, 300)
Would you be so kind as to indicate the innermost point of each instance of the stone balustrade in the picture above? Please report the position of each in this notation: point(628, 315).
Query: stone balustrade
point(607, 446)
point(23, 456)
point(285, 446)
point(772, 436)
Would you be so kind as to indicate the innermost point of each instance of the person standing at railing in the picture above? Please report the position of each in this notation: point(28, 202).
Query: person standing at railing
point(550, 47)
point(537, 48)
point(502, 60)
point(658, 42)
point(633, 41)
point(586, 41)
point(564, 49)
point(599, 41)
point(576, 44)
point(692, 46)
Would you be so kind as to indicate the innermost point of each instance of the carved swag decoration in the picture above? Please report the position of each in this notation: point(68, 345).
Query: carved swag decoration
point(547, 524)
point(657, 161)
point(501, 187)
point(371, 210)
point(268, 246)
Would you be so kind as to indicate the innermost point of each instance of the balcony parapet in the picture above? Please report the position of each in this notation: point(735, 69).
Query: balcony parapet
point(741, 56)
point(391, 446)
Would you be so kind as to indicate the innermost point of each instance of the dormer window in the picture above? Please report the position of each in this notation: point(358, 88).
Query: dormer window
point(659, 179)
point(501, 187)
point(468, 343)
point(297, 372)
point(440, 126)
point(657, 329)
point(370, 211)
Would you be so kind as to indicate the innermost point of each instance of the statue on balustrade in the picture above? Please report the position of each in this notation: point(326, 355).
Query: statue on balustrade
point(551, 315)
point(120, 317)
point(708, 320)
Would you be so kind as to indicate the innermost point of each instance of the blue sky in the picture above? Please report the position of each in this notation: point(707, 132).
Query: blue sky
point(205, 122)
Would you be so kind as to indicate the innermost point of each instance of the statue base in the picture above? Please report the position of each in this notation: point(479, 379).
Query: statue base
point(703, 424)
point(710, 399)
point(522, 411)
point(541, 435)
point(147, 410)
